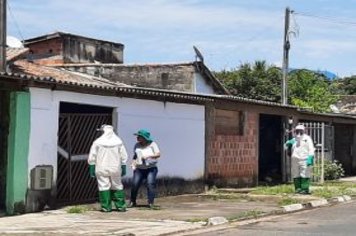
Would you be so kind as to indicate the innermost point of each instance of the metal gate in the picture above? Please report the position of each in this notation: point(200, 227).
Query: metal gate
point(75, 136)
point(323, 138)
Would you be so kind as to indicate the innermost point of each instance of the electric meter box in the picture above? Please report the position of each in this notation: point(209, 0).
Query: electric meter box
point(41, 178)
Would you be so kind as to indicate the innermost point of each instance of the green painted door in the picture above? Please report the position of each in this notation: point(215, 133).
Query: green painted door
point(17, 152)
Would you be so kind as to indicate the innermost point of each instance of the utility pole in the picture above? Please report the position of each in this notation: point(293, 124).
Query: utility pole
point(286, 47)
point(288, 121)
point(2, 35)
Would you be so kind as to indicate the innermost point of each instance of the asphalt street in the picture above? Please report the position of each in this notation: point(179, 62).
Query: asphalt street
point(334, 220)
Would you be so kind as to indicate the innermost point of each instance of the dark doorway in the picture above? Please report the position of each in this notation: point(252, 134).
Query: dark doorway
point(270, 156)
point(344, 143)
point(77, 130)
point(4, 130)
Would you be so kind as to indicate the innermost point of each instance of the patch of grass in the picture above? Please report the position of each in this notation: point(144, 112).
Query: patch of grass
point(325, 192)
point(335, 183)
point(333, 189)
point(213, 189)
point(155, 207)
point(329, 192)
point(195, 220)
point(274, 190)
point(77, 209)
point(228, 196)
point(288, 201)
point(246, 215)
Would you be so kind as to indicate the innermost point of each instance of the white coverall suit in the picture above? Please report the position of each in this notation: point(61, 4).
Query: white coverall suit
point(301, 149)
point(302, 159)
point(109, 156)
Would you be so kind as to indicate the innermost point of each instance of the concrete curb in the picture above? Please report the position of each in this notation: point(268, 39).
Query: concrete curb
point(285, 210)
point(347, 198)
point(288, 209)
point(293, 207)
point(319, 203)
point(218, 220)
point(316, 203)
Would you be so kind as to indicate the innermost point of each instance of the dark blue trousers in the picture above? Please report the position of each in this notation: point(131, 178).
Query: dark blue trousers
point(139, 175)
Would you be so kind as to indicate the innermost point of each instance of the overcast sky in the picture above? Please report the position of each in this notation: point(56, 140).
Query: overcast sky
point(227, 32)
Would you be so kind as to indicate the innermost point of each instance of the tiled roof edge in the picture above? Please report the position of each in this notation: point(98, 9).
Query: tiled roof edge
point(148, 91)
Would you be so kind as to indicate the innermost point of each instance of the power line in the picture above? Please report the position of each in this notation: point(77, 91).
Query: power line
point(15, 21)
point(247, 41)
point(327, 18)
point(261, 33)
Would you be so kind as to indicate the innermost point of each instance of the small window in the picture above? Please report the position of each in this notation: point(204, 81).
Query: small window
point(164, 80)
point(30, 56)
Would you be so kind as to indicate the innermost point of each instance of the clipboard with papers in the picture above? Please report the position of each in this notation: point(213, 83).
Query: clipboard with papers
point(143, 154)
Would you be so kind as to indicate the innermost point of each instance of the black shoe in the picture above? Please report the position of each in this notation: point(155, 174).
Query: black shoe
point(132, 204)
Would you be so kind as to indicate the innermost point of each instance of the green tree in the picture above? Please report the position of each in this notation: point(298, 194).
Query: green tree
point(256, 81)
point(345, 86)
point(310, 90)
point(261, 81)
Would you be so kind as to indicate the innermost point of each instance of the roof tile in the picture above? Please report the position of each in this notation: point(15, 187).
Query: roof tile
point(60, 75)
point(14, 53)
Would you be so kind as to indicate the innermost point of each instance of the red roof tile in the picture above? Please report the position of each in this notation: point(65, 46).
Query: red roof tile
point(60, 75)
point(15, 53)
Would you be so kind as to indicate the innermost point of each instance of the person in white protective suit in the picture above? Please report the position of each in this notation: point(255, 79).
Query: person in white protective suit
point(107, 162)
point(302, 159)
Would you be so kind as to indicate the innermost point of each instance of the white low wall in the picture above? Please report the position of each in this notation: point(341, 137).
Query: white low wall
point(179, 129)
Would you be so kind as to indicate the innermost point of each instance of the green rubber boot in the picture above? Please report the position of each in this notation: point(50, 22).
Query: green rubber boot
point(118, 197)
point(105, 200)
point(297, 184)
point(305, 186)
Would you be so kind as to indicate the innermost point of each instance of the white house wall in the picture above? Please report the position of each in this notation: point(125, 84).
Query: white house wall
point(177, 128)
point(201, 85)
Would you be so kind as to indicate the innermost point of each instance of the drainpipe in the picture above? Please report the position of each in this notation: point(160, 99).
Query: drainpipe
point(3, 36)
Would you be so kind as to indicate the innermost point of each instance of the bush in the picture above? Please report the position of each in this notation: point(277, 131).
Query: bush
point(333, 170)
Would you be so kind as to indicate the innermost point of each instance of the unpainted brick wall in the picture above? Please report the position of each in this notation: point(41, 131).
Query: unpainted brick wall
point(170, 77)
point(47, 49)
point(73, 49)
point(232, 159)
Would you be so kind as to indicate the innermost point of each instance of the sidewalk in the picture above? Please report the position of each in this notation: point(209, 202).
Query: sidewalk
point(175, 214)
point(349, 179)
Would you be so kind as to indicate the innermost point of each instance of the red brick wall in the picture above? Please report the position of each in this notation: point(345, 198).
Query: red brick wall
point(75, 49)
point(233, 159)
point(43, 47)
point(47, 52)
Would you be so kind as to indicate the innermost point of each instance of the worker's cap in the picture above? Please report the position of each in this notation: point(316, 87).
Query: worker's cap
point(105, 127)
point(300, 127)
